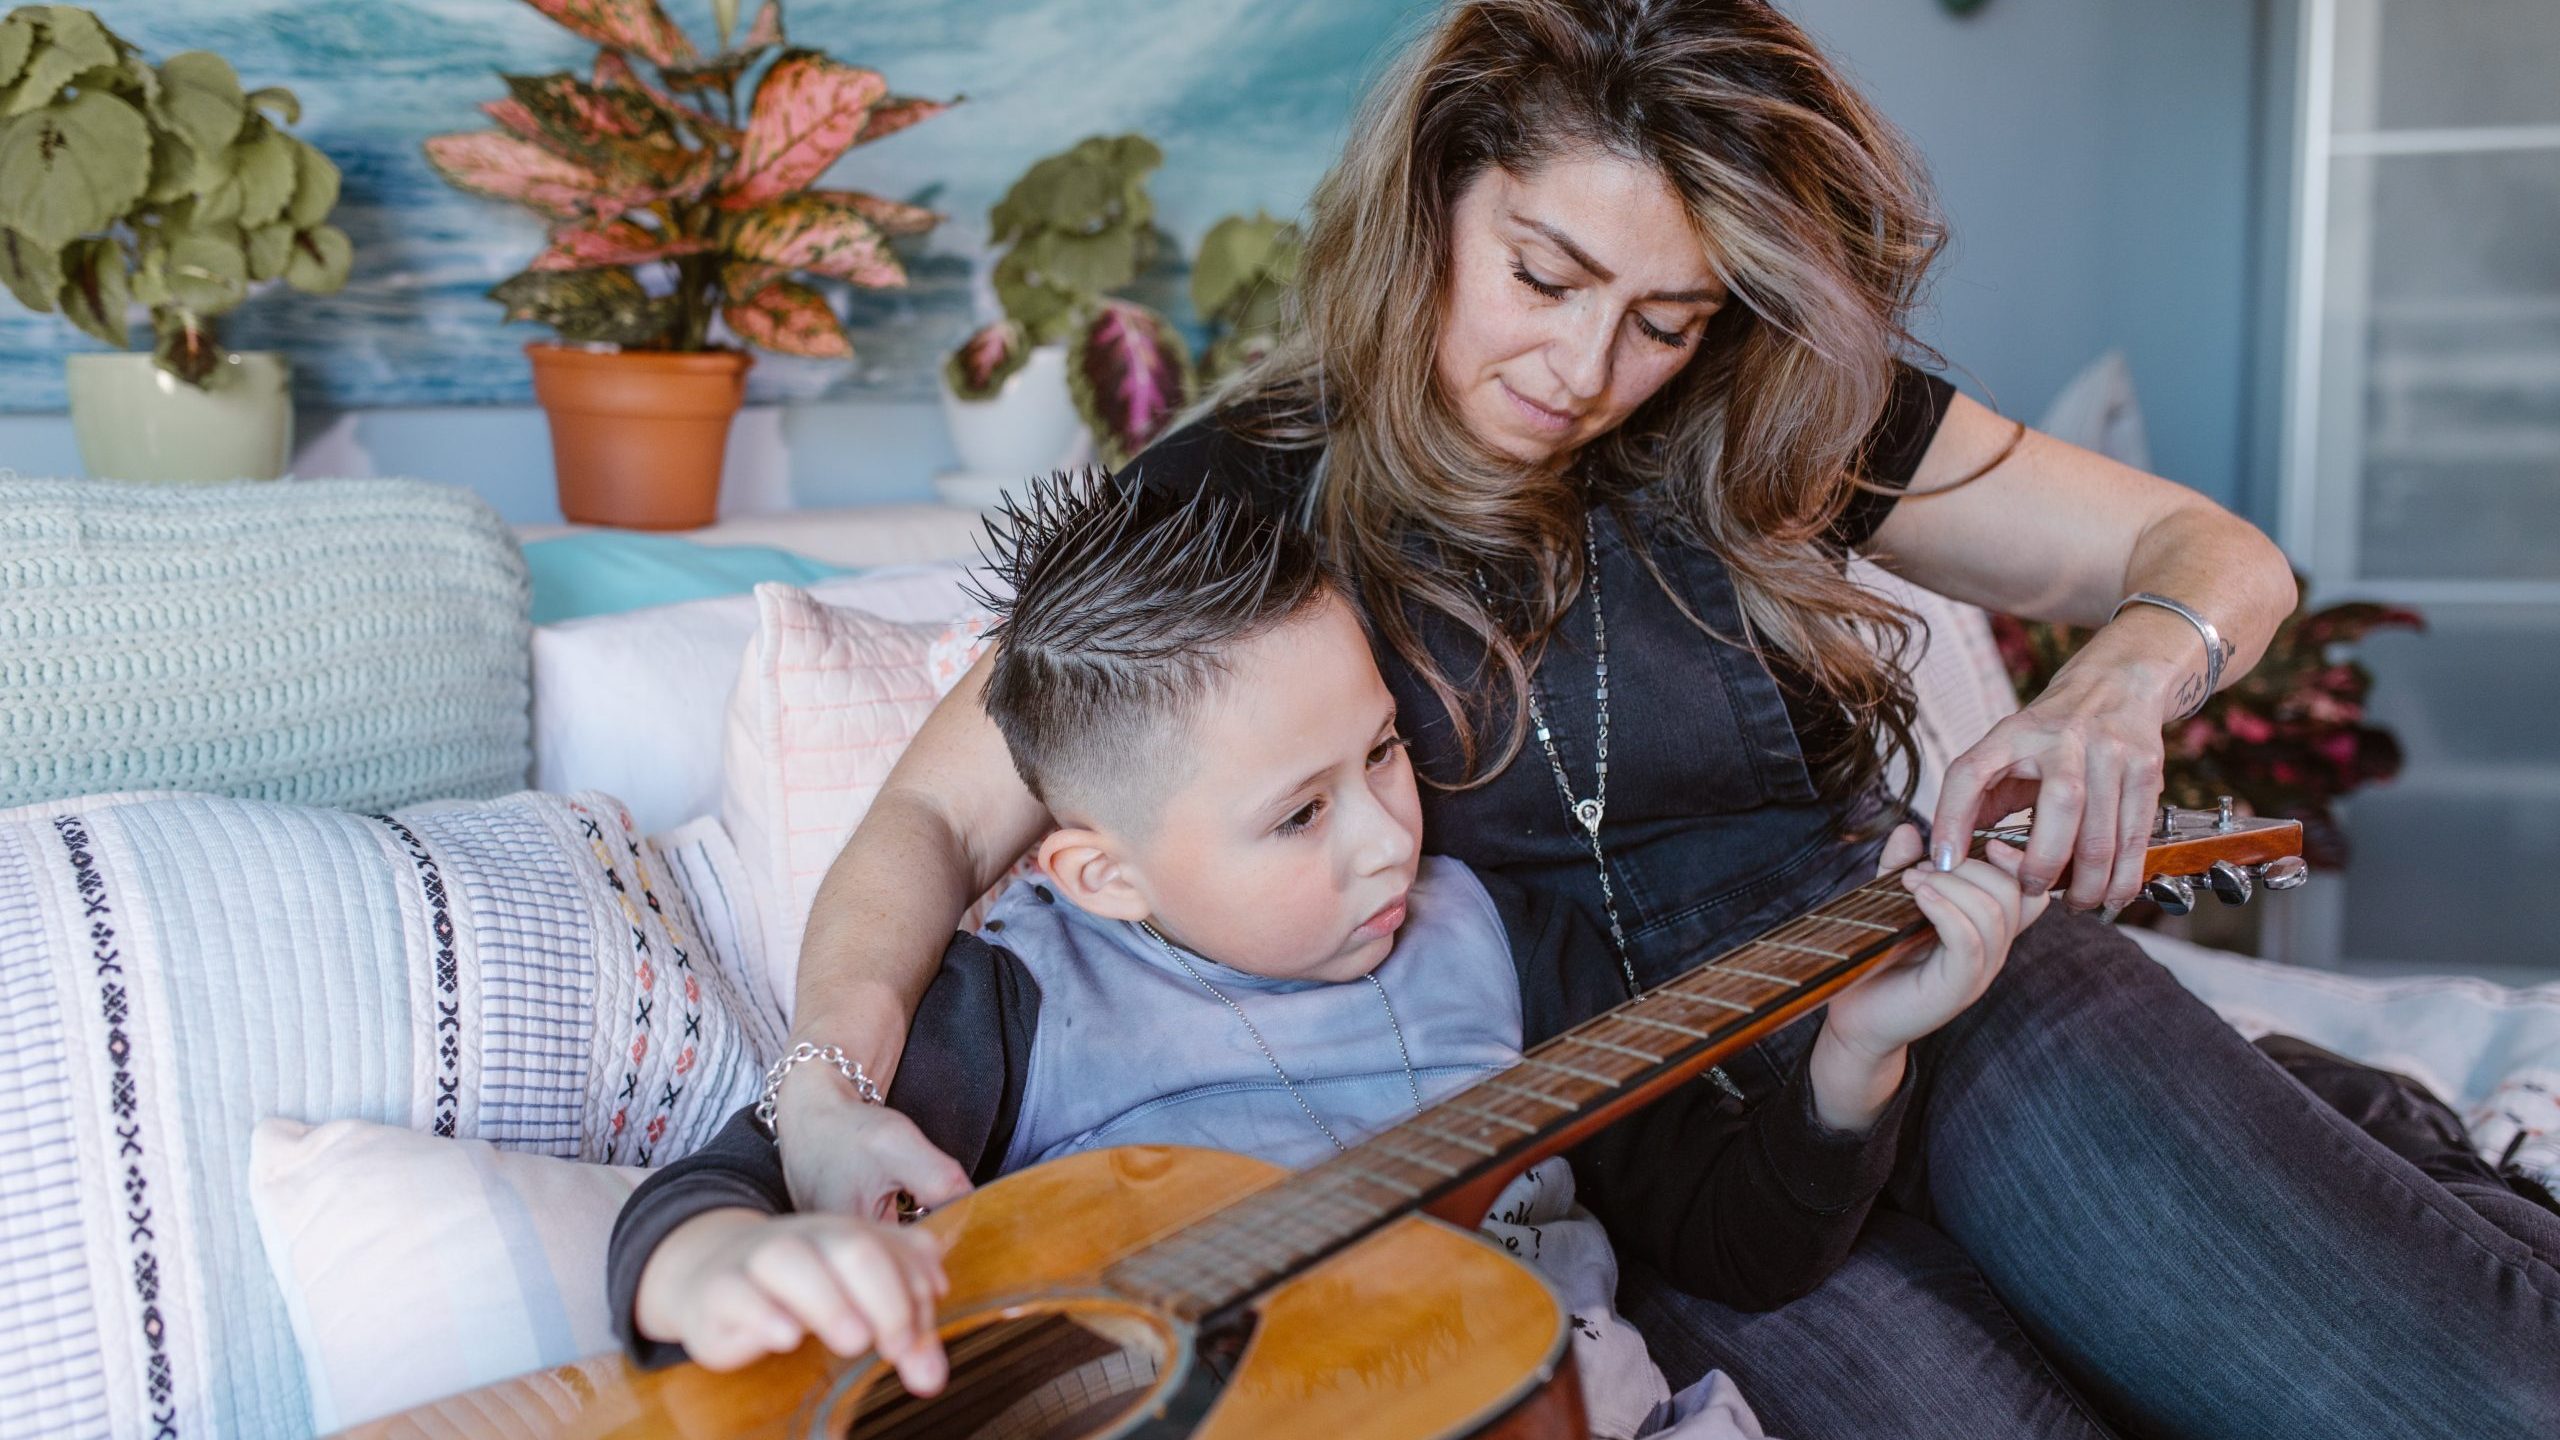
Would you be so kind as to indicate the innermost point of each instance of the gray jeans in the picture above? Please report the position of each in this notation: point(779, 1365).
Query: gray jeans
point(2113, 1216)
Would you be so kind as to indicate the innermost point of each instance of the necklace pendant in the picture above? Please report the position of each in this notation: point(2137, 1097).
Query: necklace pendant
point(1588, 812)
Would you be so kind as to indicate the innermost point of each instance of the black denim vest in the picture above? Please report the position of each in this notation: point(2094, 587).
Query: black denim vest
point(1713, 831)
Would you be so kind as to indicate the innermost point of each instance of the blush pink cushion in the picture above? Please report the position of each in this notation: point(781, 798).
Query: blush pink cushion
point(826, 701)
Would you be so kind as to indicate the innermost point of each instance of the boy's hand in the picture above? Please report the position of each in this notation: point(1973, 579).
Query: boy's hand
point(732, 1286)
point(1978, 909)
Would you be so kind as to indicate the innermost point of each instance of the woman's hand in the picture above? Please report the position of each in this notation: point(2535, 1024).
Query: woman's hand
point(843, 1157)
point(733, 1286)
point(2086, 757)
point(1978, 908)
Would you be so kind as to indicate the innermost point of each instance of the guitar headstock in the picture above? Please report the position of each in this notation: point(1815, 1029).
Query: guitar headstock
point(2219, 850)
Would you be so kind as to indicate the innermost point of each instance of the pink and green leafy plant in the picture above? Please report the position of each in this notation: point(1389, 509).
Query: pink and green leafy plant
point(1078, 227)
point(700, 171)
point(2290, 739)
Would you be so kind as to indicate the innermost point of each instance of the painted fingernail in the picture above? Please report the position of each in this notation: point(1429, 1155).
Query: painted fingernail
point(1945, 854)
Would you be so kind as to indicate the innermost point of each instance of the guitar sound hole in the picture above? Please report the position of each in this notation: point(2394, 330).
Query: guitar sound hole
point(1070, 1373)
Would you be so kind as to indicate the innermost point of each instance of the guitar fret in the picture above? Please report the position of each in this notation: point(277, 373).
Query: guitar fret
point(1421, 1162)
point(1729, 968)
point(1804, 949)
point(1421, 1125)
point(1574, 1071)
point(1735, 1006)
point(1542, 1097)
point(1861, 924)
point(1397, 1188)
point(1629, 1051)
point(1495, 1116)
point(1658, 1023)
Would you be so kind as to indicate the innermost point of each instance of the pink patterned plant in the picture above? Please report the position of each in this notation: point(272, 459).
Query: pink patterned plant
point(677, 176)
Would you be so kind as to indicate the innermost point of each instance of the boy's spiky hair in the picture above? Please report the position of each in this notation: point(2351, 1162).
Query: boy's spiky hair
point(1124, 602)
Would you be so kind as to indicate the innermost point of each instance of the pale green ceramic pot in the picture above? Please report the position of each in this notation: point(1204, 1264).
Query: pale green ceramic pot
point(136, 421)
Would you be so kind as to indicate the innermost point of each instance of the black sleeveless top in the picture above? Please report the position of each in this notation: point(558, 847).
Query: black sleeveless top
point(1714, 830)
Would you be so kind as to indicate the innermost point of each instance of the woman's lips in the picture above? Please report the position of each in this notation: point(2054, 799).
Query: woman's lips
point(1384, 923)
point(1538, 416)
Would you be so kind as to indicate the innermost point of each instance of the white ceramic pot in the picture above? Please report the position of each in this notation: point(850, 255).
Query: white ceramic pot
point(1028, 427)
point(136, 421)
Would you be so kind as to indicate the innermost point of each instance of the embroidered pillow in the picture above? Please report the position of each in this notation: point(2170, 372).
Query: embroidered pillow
point(175, 969)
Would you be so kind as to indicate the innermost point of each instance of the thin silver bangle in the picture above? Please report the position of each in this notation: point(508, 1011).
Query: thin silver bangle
point(801, 1054)
point(2204, 628)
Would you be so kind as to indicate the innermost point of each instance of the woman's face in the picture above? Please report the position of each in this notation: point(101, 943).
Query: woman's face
point(1574, 294)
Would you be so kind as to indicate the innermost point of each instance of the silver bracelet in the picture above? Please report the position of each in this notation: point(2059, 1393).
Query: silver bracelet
point(2204, 628)
point(846, 1065)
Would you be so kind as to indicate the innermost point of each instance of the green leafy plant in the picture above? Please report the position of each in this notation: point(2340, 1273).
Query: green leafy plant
point(679, 177)
point(123, 182)
point(1078, 226)
point(1240, 286)
point(2288, 740)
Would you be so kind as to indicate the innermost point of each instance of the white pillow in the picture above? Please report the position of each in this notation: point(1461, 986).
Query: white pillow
point(414, 1267)
point(175, 969)
point(632, 704)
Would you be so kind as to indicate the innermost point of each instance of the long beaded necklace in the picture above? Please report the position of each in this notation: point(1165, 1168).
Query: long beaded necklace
point(1411, 1084)
point(1588, 813)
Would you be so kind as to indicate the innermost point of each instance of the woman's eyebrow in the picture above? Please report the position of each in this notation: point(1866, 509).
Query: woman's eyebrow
point(1603, 273)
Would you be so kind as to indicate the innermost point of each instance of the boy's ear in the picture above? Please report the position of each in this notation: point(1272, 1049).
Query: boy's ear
point(1085, 865)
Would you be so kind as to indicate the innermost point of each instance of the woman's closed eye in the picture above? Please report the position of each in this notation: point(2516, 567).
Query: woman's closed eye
point(1673, 339)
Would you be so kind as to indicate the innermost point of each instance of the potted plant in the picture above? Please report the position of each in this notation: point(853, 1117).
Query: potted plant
point(125, 183)
point(1069, 353)
point(672, 201)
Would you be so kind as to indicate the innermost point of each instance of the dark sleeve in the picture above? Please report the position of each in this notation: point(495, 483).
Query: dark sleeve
point(1747, 1205)
point(1912, 413)
point(968, 1054)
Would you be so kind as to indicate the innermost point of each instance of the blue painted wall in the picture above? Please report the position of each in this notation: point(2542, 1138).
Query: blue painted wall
point(2093, 157)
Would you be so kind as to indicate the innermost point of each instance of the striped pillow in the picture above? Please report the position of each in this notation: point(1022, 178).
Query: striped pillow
point(175, 969)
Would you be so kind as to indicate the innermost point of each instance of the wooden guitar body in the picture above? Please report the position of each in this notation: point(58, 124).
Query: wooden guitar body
point(1420, 1329)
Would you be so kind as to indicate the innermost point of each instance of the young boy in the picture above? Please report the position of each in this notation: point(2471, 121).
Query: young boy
point(1238, 943)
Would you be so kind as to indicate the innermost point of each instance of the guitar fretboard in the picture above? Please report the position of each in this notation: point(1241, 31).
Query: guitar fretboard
point(1504, 1123)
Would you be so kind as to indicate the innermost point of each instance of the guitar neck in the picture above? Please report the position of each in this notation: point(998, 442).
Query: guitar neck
point(1452, 1158)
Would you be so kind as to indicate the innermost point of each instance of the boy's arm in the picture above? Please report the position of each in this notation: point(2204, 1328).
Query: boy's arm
point(1750, 1206)
point(967, 1057)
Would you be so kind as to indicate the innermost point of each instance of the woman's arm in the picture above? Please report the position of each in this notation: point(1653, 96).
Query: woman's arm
point(952, 815)
point(2055, 532)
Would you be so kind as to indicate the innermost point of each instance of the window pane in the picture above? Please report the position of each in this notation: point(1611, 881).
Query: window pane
point(2460, 358)
point(2468, 62)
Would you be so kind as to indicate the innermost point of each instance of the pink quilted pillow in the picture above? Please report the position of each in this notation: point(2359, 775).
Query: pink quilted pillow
point(827, 699)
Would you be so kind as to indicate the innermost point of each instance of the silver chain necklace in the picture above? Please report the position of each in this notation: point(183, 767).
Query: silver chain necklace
point(1410, 1083)
point(1588, 813)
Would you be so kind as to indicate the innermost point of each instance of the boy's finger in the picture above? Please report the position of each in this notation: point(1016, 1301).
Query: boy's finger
point(795, 1276)
point(869, 1272)
point(738, 1326)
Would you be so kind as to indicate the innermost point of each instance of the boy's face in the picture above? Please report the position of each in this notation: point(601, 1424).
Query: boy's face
point(1288, 848)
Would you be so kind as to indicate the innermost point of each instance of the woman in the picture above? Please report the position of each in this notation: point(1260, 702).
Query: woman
point(1597, 380)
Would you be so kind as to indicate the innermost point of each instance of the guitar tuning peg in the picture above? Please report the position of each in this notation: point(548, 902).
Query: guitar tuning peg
point(2230, 883)
point(2175, 894)
point(2286, 872)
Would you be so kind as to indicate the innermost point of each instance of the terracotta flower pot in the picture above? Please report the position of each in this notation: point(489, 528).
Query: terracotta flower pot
point(637, 435)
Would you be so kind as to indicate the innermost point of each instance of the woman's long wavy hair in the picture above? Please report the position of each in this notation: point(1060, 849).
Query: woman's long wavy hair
point(1819, 218)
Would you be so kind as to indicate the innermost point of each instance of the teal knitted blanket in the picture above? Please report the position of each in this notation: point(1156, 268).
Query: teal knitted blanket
point(351, 643)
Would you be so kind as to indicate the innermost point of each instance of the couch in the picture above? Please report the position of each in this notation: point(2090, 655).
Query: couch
point(322, 1112)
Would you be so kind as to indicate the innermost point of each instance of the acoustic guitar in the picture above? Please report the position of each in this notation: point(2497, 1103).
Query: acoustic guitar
point(1158, 1291)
